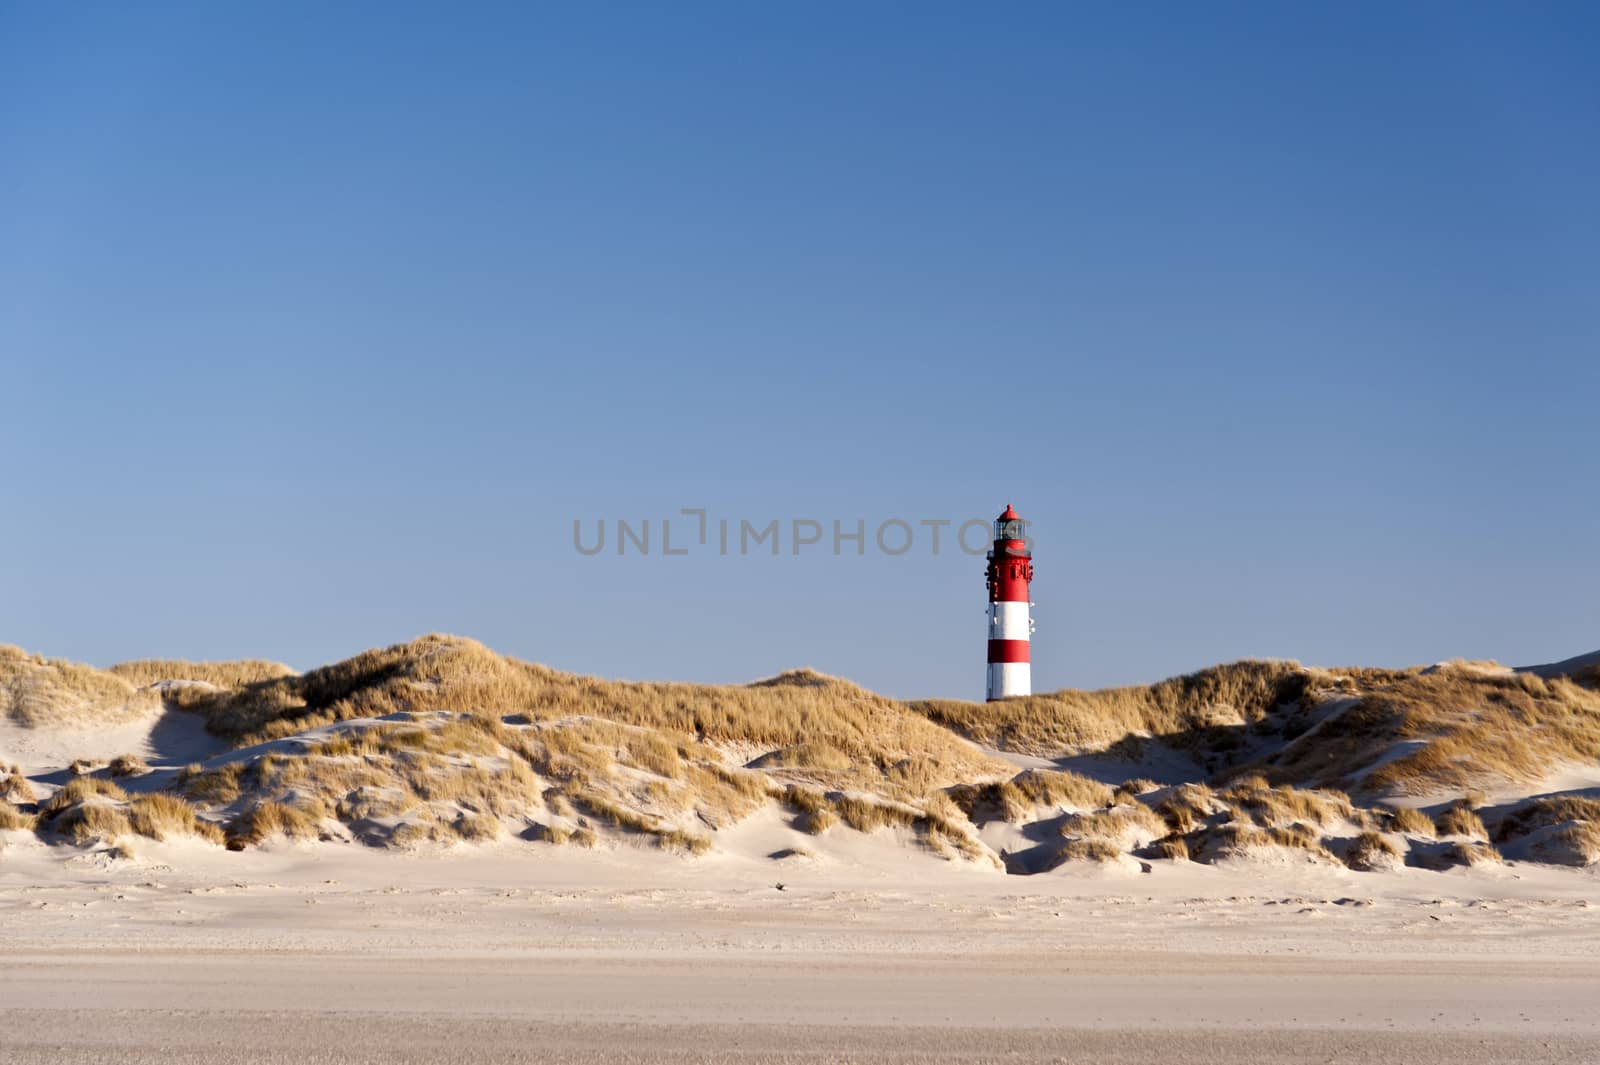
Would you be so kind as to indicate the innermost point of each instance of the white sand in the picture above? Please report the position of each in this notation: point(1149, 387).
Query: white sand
point(519, 952)
point(163, 738)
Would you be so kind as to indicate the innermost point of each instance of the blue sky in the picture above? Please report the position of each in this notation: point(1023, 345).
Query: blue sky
point(319, 326)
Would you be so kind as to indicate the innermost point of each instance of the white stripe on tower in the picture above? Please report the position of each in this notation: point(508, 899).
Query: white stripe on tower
point(1008, 621)
point(1007, 679)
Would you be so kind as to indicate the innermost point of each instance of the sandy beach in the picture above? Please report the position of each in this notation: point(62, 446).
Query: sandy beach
point(319, 954)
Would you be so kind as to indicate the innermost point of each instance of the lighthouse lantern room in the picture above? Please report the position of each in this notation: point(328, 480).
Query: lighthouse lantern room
point(1010, 623)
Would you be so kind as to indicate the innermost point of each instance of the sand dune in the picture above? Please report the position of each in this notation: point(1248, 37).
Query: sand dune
point(440, 740)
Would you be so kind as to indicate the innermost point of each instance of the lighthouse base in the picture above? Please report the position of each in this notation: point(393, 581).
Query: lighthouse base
point(1009, 679)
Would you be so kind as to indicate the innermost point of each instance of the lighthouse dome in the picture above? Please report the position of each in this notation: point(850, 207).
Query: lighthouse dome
point(1009, 526)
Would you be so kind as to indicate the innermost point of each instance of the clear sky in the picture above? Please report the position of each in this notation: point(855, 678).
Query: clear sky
point(320, 324)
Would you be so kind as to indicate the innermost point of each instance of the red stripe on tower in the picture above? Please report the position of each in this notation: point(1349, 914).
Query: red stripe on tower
point(1008, 650)
point(1010, 623)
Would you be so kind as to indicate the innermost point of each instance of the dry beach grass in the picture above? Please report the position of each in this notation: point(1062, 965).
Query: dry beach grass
point(40, 692)
point(1455, 726)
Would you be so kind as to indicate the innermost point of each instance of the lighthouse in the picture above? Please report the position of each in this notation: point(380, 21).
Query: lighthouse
point(1010, 624)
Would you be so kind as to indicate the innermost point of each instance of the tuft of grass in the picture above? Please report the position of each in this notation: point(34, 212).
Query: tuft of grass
point(1189, 807)
point(161, 816)
point(267, 819)
point(1371, 851)
point(13, 818)
point(816, 822)
point(1296, 835)
point(220, 785)
point(79, 790)
point(548, 833)
point(1085, 850)
point(127, 765)
point(806, 800)
point(409, 834)
point(90, 821)
point(1472, 854)
point(683, 842)
point(1459, 820)
point(14, 787)
point(1412, 822)
point(478, 828)
point(1174, 848)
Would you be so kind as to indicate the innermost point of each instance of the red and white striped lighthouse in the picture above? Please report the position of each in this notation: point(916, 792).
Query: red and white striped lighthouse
point(1010, 625)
